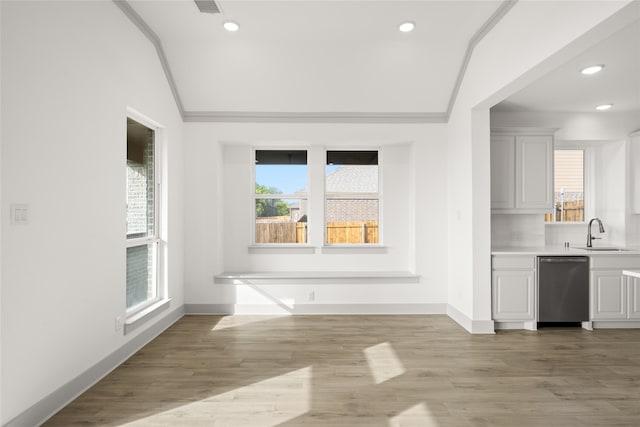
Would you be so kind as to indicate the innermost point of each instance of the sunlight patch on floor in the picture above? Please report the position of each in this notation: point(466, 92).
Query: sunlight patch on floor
point(235, 321)
point(417, 415)
point(266, 403)
point(383, 362)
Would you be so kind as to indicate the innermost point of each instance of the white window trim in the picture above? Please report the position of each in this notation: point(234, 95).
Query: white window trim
point(142, 312)
point(253, 245)
point(589, 180)
point(326, 247)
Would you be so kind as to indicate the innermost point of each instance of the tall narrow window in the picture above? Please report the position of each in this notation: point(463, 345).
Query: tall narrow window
point(352, 202)
point(142, 216)
point(568, 183)
point(280, 197)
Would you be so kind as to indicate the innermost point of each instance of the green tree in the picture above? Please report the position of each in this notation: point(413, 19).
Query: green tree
point(270, 207)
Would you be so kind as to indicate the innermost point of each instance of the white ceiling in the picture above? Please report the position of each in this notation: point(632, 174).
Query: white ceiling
point(566, 90)
point(316, 56)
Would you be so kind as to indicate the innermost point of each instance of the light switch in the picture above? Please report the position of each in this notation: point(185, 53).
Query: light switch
point(19, 214)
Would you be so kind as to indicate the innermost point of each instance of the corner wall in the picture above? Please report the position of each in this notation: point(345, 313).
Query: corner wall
point(533, 38)
point(218, 207)
point(69, 72)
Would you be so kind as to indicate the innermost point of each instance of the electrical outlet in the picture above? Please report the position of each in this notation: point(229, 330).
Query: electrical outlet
point(119, 323)
point(311, 296)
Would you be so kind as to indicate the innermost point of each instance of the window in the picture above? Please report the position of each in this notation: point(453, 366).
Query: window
point(352, 202)
point(280, 197)
point(569, 186)
point(142, 217)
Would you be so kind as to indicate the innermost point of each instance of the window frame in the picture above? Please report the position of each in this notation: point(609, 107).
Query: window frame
point(299, 196)
point(352, 196)
point(588, 179)
point(155, 240)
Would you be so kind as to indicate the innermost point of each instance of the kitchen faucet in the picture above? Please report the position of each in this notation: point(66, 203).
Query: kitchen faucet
point(589, 236)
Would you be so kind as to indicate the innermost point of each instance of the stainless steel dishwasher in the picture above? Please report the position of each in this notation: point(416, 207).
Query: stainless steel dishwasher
point(563, 289)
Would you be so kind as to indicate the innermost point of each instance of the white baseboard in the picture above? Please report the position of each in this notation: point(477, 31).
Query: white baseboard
point(316, 309)
point(51, 404)
point(472, 326)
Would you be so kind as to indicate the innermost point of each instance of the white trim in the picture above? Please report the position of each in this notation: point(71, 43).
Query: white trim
point(472, 326)
point(619, 324)
point(304, 309)
point(52, 403)
point(477, 37)
point(139, 317)
point(317, 277)
point(308, 117)
point(155, 41)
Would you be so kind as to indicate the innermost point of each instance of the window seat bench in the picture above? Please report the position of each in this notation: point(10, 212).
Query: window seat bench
point(328, 277)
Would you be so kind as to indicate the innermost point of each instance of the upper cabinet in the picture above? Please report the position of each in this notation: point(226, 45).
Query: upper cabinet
point(634, 168)
point(522, 170)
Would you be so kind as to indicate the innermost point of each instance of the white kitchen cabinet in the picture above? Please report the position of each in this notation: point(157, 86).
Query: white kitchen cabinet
point(513, 294)
point(513, 288)
point(503, 172)
point(634, 168)
point(608, 295)
point(522, 170)
point(614, 296)
point(633, 291)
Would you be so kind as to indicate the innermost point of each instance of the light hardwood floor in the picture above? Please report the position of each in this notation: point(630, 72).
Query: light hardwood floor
point(366, 371)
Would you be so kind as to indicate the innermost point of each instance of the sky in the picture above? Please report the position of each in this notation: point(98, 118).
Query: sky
point(286, 178)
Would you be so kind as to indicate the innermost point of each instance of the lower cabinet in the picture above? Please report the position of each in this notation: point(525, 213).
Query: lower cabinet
point(614, 296)
point(608, 295)
point(513, 286)
point(513, 294)
point(633, 290)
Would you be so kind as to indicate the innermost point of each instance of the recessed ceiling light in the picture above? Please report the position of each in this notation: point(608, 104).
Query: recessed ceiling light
point(604, 107)
point(231, 26)
point(592, 69)
point(406, 27)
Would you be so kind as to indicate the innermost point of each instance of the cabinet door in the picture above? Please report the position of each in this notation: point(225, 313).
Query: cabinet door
point(503, 159)
point(608, 295)
point(534, 172)
point(634, 168)
point(513, 294)
point(633, 283)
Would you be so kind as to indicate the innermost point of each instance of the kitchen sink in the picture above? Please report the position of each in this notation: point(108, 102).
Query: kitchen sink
point(602, 249)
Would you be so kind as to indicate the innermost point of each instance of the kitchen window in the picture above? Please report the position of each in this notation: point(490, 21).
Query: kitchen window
point(569, 185)
point(352, 200)
point(280, 197)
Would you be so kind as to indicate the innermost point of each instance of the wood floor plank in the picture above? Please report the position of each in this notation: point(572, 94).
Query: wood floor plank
point(370, 371)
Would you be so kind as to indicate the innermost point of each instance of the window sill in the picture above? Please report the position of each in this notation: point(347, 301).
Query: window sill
point(282, 249)
point(134, 321)
point(354, 249)
point(570, 223)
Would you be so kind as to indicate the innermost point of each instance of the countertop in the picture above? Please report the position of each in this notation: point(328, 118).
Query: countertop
point(560, 250)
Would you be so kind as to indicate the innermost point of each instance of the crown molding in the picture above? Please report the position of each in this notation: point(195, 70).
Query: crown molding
point(306, 117)
point(155, 40)
point(477, 37)
point(337, 117)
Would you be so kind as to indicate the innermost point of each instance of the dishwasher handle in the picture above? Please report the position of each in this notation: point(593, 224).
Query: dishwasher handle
point(561, 259)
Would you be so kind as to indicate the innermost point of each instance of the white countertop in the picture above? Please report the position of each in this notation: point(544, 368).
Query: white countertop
point(560, 250)
point(634, 273)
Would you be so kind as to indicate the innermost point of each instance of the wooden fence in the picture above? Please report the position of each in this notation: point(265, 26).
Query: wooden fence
point(336, 232)
point(573, 211)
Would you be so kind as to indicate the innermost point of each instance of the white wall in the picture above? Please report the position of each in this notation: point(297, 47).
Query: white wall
point(529, 41)
point(69, 72)
point(414, 197)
